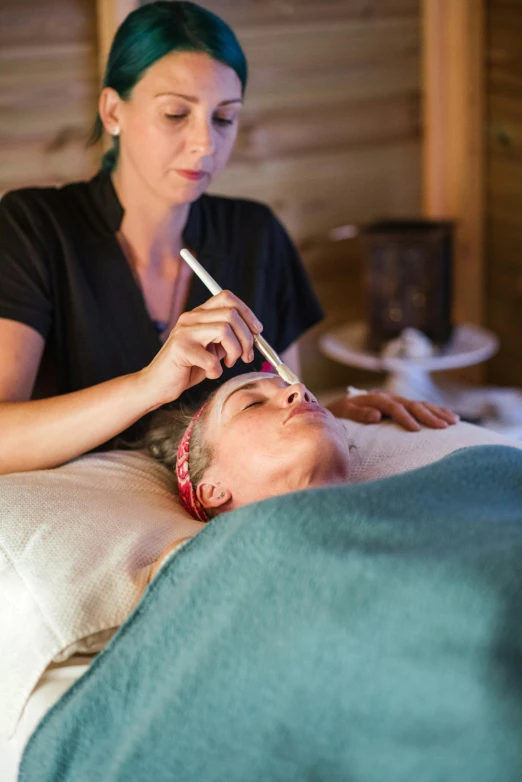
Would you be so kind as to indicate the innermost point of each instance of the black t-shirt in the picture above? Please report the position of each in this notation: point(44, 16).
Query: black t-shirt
point(62, 272)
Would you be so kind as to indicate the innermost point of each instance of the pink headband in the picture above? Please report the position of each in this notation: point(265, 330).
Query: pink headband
point(187, 494)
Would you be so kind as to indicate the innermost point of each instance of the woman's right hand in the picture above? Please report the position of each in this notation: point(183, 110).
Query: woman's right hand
point(221, 329)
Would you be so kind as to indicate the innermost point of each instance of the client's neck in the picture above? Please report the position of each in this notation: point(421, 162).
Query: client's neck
point(332, 470)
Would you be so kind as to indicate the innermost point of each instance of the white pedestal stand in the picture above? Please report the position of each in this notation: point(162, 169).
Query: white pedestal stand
point(411, 378)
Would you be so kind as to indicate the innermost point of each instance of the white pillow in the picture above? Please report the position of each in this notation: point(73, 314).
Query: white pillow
point(76, 547)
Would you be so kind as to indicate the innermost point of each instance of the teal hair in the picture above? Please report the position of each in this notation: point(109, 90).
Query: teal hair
point(155, 30)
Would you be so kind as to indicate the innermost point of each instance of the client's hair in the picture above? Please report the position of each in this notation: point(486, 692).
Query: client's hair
point(164, 436)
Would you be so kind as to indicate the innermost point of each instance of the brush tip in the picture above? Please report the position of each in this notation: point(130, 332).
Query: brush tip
point(287, 375)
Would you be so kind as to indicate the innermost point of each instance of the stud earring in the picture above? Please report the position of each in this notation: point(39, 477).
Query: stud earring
point(116, 130)
point(221, 495)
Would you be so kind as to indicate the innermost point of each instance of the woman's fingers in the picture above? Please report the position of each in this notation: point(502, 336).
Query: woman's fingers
point(389, 405)
point(232, 348)
point(206, 334)
point(434, 416)
point(400, 414)
point(240, 330)
point(360, 414)
point(228, 315)
point(409, 413)
point(228, 300)
point(220, 330)
point(443, 412)
point(424, 415)
point(206, 361)
point(370, 408)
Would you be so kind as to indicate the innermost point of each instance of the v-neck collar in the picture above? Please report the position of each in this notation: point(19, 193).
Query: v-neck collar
point(118, 273)
point(111, 210)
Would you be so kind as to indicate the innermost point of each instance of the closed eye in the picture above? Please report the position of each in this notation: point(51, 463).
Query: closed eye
point(220, 121)
point(253, 404)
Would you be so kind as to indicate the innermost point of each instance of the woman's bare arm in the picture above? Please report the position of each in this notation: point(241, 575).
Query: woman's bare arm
point(48, 432)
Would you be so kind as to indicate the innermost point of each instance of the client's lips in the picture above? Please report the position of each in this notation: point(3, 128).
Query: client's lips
point(305, 408)
point(194, 176)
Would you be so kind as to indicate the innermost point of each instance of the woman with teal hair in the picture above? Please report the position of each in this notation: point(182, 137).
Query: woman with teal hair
point(94, 294)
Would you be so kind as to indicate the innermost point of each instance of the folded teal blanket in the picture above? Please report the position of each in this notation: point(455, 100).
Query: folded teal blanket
point(365, 633)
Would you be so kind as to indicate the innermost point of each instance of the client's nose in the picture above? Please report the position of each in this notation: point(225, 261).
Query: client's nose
point(297, 393)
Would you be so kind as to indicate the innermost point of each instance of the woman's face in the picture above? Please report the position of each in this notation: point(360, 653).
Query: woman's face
point(268, 439)
point(179, 125)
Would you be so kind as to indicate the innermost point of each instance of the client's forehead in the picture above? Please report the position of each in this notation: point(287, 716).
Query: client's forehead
point(235, 384)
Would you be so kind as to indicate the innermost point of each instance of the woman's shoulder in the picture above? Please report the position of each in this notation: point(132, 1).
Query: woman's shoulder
point(75, 209)
point(236, 228)
point(235, 225)
point(36, 201)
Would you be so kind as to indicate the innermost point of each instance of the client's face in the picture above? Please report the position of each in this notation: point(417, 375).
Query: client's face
point(268, 439)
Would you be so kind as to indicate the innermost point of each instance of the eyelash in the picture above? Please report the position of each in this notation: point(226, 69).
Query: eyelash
point(258, 402)
point(218, 120)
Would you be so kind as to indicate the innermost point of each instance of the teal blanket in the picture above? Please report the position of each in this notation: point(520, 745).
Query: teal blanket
point(365, 633)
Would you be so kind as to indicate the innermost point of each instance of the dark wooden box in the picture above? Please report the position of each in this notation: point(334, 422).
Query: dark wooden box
point(408, 277)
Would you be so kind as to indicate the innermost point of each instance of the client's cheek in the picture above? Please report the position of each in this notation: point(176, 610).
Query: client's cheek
point(237, 453)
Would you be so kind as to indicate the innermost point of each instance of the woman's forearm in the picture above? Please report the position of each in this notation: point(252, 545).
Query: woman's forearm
point(45, 433)
point(48, 432)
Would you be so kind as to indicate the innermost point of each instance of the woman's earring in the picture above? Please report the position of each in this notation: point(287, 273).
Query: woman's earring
point(116, 130)
point(221, 495)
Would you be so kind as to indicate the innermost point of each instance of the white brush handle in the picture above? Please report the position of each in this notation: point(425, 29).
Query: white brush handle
point(200, 272)
point(262, 345)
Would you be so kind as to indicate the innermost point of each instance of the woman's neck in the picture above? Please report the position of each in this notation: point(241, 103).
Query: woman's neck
point(148, 222)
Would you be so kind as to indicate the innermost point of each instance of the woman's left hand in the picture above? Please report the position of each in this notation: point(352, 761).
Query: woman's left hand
point(372, 407)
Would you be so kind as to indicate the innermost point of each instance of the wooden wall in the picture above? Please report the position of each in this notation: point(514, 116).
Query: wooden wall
point(48, 91)
point(504, 187)
point(330, 135)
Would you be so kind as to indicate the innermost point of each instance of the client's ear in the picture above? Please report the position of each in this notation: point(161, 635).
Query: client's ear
point(212, 496)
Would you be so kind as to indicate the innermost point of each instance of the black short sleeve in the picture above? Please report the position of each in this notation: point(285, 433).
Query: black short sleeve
point(24, 269)
point(295, 305)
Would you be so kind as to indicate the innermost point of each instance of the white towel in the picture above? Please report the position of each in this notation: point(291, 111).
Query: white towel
point(386, 449)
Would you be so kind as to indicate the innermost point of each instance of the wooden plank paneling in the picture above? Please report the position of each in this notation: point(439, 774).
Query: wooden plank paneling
point(48, 91)
point(328, 43)
point(504, 187)
point(29, 22)
point(504, 56)
point(359, 123)
point(319, 64)
point(43, 88)
point(504, 241)
point(453, 143)
point(504, 127)
point(253, 13)
point(357, 184)
point(109, 15)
